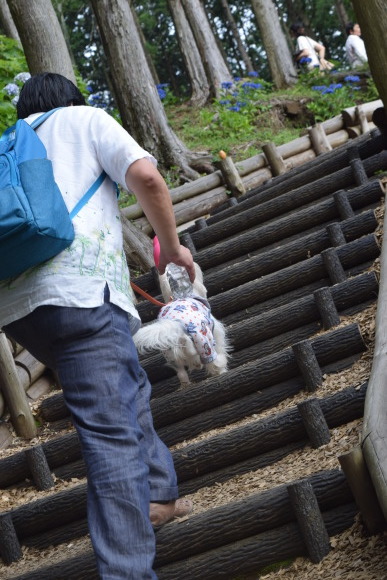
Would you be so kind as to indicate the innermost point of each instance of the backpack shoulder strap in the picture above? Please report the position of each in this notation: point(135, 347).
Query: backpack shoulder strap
point(88, 195)
point(39, 120)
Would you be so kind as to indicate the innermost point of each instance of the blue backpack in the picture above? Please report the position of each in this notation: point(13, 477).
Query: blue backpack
point(35, 224)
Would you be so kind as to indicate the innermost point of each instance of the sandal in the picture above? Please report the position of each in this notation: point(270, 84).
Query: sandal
point(162, 513)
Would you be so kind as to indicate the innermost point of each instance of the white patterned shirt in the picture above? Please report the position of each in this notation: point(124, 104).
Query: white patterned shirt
point(81, 141)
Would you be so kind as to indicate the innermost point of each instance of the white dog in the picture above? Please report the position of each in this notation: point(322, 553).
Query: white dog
point(186, 333)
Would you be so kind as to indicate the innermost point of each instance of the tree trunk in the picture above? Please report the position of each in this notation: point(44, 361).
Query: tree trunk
point(234, 28)
point(200, 88)
point(6, 23)
point(278, 54)
point(372, 17)
point(342, 14)
point(141, 110)
point(41, 36)
point(214, 64)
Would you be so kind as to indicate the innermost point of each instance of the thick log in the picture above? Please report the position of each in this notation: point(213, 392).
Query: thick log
point(261, 513)
point(28, 370)
point(267, 262)
point(297, 250)
point(274, 159)
point(230, 175)
point(310, 520)
point(287, 279)
point(39, 468)
point(261, 436)
point(43, 514)
point(290, 201)
point(358, 171)
point(137, 246)
point(326, 307)
point(13, 392)
point(349, 115)
point(333, 265)
point(254, 553)
point(363, 491)
point(58, 535)
point(191, 209)
point(186, 191)
point(10, 550)
point(61, 450)
point(308, 365)
point(297, 313)
point(314, 422)
point(252, 377)
point(326, 181)
point(318, 139)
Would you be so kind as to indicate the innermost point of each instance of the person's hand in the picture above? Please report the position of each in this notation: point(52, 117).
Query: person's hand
point(181, 257)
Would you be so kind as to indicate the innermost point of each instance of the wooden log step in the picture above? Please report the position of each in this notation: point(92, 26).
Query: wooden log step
point(241, 443)
point(260, 514)
point(272, 260)
point(310, 520)
point(254, 277)
point(268, 210)
point(253, 331)
point(44, 514)
point(262, 436)
point(296, 251)
point(14, 468)
point(328, 164)
point(300, 312)
point(265, 210)
point(297, 223)
point(296, 276)
point(255, 552)
point(333, 345)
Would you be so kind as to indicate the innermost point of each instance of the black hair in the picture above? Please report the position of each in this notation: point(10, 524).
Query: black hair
point(349, 27)
point(296, 26)
point(46, 91)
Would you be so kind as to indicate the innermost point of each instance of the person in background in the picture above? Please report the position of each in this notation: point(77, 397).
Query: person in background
point(308, 51)
point(354, 47)
point(75, 313)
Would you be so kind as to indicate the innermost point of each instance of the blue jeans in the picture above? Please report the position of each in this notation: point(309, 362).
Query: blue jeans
point(108, 394)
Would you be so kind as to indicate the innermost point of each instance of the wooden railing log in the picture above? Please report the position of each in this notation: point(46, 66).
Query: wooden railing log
point(13, 393)
point(360, 483)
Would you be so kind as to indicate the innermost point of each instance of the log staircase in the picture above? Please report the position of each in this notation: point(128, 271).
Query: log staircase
point(285, 267)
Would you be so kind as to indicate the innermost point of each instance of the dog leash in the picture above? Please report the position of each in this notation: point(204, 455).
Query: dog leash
point(146, 295)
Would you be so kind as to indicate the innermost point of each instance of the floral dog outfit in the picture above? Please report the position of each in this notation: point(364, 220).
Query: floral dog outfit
point(195, 315)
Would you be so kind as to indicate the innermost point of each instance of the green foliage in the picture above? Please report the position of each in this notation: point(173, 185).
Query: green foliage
point(330, 97)
point(12, 62)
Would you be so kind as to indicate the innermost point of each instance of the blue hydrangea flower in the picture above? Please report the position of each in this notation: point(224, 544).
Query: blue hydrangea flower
point(226, 85)
point(224, 102)
point(327, 90)
point(162, 93)
point(305, 60)
point(253, 73)
point(22, 77)
point(335, 86)
point(352, 79)
point(236, 79)
point(234, 108)
point(11, 89)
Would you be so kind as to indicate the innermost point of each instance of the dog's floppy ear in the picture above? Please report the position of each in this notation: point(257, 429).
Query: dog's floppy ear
point(198, 286)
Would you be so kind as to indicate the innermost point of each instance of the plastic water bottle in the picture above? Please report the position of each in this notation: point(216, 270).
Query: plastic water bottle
point(181, 285)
